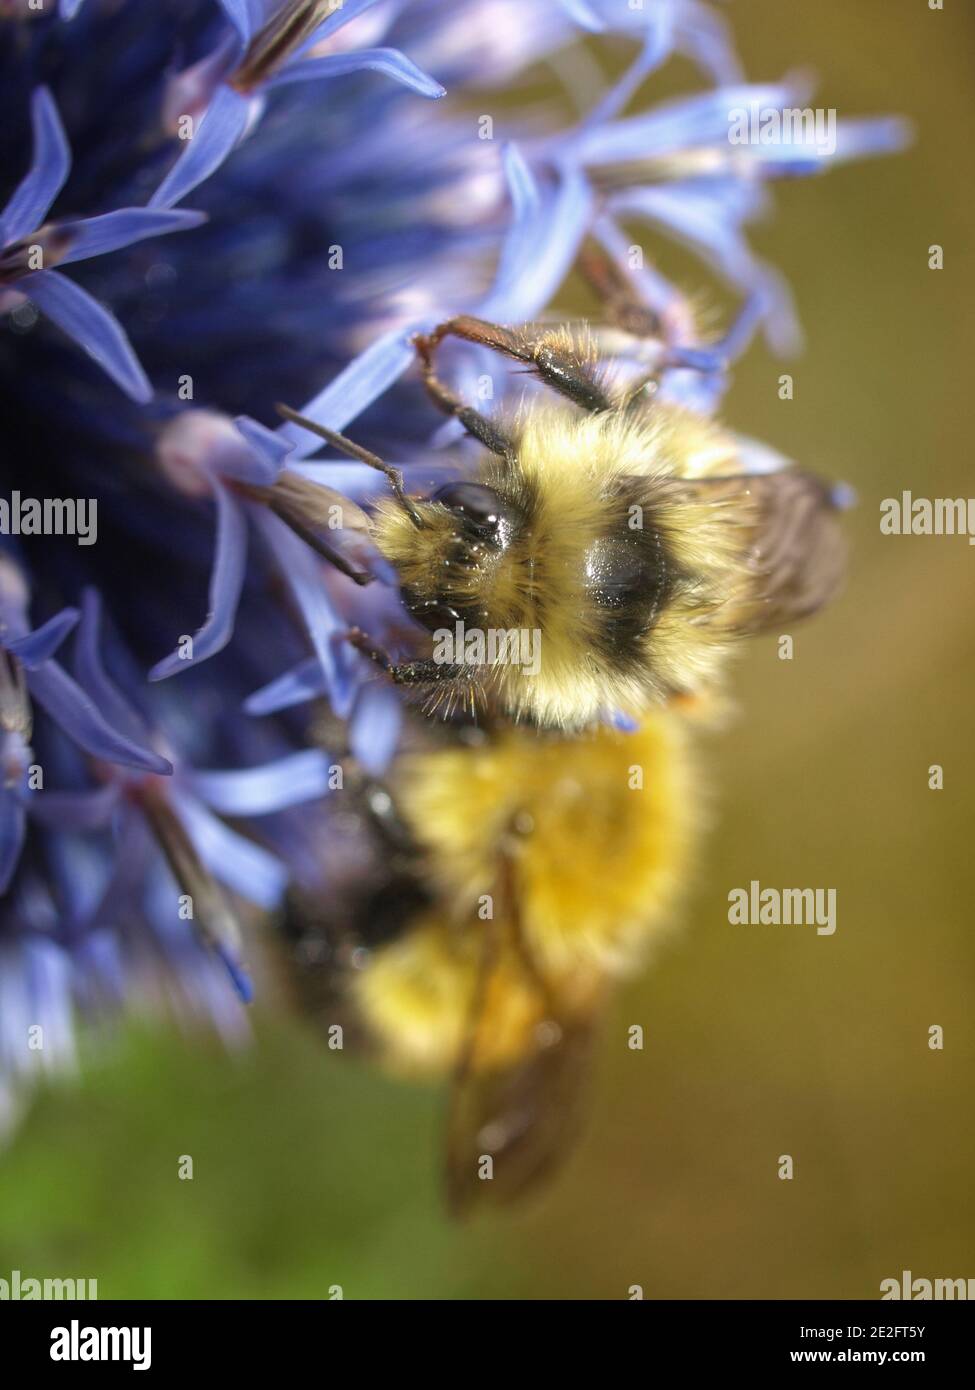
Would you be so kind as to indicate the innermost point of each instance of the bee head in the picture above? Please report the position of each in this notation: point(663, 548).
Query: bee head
point(446, 566)
point(479, 514)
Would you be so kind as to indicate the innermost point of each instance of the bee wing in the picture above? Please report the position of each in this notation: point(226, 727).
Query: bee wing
point(796, 549)
point(524, 1116)
point(525, 1119)
point(799, 551)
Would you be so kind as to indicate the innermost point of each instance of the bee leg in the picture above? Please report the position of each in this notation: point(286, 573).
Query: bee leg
point(364, 644)
point(356, 451)
point(556, 368)
point(424, 673)
point(632, 316)
point(427, 672)
point(624, 308)
point(477, 425)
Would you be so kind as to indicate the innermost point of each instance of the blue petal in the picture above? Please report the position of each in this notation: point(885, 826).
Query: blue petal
point(854, 140)
point(134, 851)
point(353, 480)
point(13, 822)
point(219, 130)
point(357, 386)
point(99, 957)
point(91, 326)
point(93, 677)
point(241, 980)
point(340, 17)
point(41, 185)
point(44, 641)
point(352, 669)
point(526, 202)
point(375, 726)
point(676, 126)
point(584, 15)
point(74, 811)
point(226, 582)
point(656, 47)
point(48, 974)
point(94, 236)
point(270, 448)
point(238, 863)
point(189, 949)
point(881, 135)
point(69, 8)
point(660, 294)
point(386, 60)
point(79, 868)
point(706, 38)
point(247, 16)
point(541, 250)
point(625, 723)
point(300, 570)
point(741, 332)
point(698, 215)
point(695, 359)
point(77, 715)
point(305, 681)
point(522, 186)
point(258, 791)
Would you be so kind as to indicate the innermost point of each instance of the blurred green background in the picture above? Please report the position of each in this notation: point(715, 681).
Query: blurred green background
point(312, 1170)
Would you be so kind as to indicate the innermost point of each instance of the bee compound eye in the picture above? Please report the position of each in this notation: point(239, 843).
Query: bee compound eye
point(475, 502)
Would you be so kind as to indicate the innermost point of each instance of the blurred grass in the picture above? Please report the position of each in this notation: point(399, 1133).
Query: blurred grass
point(311, 1170)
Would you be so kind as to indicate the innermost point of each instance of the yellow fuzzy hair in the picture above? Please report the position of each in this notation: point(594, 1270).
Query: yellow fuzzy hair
point(568, 463)
point(417, 995)
point(594, 862)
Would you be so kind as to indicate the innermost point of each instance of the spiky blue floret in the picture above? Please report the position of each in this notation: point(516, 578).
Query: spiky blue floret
point(29, 245)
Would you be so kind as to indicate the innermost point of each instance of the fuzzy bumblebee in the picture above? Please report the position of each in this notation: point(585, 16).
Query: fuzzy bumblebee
point(528, 872)
point(620, 535)
point(547, 855)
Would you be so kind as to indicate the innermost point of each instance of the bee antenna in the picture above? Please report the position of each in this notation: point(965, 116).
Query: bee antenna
point(356, 451)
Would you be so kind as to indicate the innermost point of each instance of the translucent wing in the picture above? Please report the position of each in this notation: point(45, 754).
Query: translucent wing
point(793, 544)
point(512, 1122)
point(798, 551)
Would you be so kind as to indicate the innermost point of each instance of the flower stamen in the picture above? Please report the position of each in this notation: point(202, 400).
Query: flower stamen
point(279, 39)
point(15, 707)
point(212, 917)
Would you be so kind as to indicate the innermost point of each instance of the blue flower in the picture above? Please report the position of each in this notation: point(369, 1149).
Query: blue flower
point(271, 43)
point(176, 813)
point(29, 673)
point(27, 242)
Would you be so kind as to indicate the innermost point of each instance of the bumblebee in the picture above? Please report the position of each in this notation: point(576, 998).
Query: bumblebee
point(620, 531)
point(516, 877)
point(524, 865)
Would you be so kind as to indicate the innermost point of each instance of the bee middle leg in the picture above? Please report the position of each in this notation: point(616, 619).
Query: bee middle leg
point(620, 300)
point(555, 367)
point(629, 313)
point(482, 429)
point(424, 672)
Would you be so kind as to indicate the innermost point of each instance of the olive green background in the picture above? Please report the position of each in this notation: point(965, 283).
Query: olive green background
point(311, 1170)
